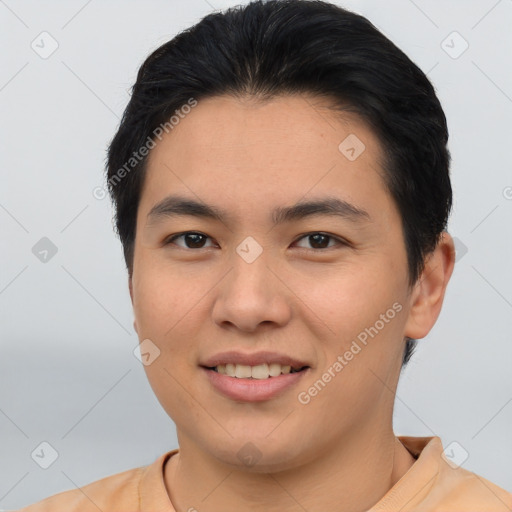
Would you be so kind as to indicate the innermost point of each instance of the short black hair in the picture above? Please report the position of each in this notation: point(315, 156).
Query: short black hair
point(277, 47)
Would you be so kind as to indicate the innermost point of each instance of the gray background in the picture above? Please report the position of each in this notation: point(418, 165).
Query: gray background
point(67, 369)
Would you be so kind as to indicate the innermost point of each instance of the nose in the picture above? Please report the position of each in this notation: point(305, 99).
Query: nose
point(251, 296)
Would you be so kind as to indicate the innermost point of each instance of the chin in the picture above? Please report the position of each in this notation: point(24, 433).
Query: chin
point(259, 455)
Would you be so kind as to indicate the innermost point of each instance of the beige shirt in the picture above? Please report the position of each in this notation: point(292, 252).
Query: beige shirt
point(430, 485)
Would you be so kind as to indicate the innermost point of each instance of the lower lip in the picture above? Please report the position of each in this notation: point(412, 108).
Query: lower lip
point(253, 390)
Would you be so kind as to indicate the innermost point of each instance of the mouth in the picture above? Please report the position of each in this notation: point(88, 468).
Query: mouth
point(261, 382)
point(257, 372)
point(255, 377)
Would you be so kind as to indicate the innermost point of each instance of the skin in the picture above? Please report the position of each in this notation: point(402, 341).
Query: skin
point(249, 157)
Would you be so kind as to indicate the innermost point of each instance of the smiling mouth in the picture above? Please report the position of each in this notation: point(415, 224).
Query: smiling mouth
point(259, 372)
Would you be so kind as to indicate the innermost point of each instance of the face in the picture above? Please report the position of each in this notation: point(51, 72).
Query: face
point(252, 280)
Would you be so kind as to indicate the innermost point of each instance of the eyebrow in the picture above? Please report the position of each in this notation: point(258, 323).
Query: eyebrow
point(182, 206)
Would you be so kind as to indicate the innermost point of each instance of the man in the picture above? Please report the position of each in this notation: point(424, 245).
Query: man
point(281, 184)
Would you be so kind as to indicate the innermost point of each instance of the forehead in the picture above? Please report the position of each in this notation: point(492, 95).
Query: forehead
point(250, 153)
point(287, 121)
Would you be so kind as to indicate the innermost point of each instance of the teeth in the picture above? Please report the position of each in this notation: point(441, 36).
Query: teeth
point(261, 371)
point(274, 369)
point(242, 371)
point(230, 369)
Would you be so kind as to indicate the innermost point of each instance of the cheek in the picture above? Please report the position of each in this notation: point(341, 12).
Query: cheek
point(363, 313)
point(172, 307)
point(350, 299)
point(166, 305)
point(163, 297)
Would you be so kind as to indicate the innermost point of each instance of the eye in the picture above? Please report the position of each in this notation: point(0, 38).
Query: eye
point(190, 240)
point(197, 240)
point(321, 240)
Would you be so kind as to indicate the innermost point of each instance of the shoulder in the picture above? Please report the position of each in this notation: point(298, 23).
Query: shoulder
point(437, 484)
point(455, 487)
point(462, 486)
point(115, 492)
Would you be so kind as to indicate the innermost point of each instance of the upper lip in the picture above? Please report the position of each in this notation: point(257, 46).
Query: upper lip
point(252, 359)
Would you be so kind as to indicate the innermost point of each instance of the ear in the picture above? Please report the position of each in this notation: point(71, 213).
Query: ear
point(428, 293)
point(130, 287)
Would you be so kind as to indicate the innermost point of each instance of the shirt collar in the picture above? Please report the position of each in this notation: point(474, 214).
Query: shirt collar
point(414, 485)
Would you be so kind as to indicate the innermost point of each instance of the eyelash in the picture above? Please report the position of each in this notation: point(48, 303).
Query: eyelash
point(340, 241)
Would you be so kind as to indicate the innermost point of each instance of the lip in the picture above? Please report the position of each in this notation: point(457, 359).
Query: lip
point(252, 390)
point(254, 359)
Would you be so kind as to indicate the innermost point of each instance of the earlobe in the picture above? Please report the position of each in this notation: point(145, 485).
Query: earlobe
point(428, 293)
point(130, 287)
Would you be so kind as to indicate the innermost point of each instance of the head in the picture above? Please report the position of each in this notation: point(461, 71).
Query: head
point(297, 124)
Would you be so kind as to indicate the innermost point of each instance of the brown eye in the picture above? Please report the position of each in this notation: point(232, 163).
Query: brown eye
point(189, 240)
point(320, 241)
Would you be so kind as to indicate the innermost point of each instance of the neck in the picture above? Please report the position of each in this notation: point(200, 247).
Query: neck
point(355, 474)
